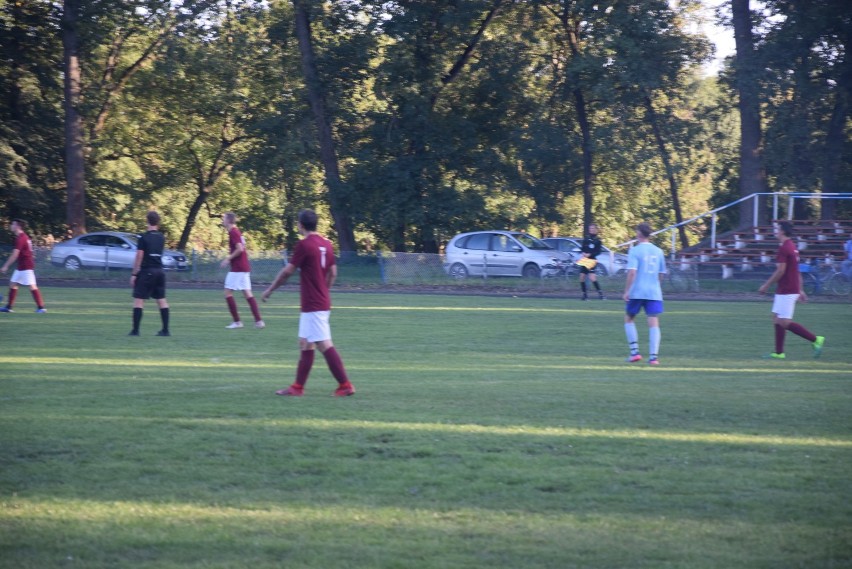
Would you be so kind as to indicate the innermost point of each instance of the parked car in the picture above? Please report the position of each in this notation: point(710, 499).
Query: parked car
point(111, 249)
point(609, 263)
point(502, 253)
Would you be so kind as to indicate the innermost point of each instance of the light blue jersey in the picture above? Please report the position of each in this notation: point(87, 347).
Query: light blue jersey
point(649, 261)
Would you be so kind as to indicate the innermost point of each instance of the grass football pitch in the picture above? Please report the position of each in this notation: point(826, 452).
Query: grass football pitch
point(485, 432)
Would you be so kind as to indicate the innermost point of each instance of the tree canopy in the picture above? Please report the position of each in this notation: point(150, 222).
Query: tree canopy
point(406, 122)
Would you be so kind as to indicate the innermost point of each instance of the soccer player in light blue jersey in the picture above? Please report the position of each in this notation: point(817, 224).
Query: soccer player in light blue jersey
point(646, 265)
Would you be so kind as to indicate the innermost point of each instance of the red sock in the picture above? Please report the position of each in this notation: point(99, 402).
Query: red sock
point(37, 297)
point(232, 306)
point(254, 310)
point(306, 361)
point(335, 365)
point(800, 330)
point(779, 339)
point(13, 292)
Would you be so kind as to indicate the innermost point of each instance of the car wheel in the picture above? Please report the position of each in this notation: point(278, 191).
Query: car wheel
point(72, 263)
point(601, 271)
point(531, 271)
point(458, 271)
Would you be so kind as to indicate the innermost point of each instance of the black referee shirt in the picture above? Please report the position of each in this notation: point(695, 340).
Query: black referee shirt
point(591, 245)
point(152, 243)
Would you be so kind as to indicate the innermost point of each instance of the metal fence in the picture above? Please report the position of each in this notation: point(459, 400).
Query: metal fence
point(402, 270)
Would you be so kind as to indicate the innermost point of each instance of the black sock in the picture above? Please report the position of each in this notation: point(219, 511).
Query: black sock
point(583, 287)
point(597, 286)
point(164, 316)
point(137, 318)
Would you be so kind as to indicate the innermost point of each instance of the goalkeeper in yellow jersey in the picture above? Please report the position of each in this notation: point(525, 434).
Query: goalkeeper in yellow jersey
point(590, 248)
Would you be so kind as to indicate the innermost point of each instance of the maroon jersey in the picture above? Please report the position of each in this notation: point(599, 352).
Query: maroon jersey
point(789, 281)
point(314, 257)
point(25, 260)
point(240, 263)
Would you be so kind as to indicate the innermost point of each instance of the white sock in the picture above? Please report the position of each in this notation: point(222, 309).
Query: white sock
point(654, 341)
point(632, 337)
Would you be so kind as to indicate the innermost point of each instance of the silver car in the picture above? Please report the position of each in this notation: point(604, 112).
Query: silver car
point(504, 254)
point(609, 263)
point(111, 249)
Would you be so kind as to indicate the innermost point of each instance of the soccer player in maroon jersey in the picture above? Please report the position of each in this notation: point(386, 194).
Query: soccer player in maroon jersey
point(25, 271)
point(789, 290)
point(314, 257)
point(239, 277)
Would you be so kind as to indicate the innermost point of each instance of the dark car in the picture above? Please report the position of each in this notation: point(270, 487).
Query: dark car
point(112, 249)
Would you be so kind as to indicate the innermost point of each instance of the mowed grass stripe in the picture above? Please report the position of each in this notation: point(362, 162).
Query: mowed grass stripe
point(486, 432)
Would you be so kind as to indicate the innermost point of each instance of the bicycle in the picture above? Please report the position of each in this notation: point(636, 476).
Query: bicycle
point(839, 283)
point(817, 279)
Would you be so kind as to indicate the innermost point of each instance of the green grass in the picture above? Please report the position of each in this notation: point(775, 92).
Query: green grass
point(486, 432)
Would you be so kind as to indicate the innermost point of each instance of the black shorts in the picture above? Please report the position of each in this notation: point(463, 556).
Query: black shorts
point(150, 283)
point(587, 271)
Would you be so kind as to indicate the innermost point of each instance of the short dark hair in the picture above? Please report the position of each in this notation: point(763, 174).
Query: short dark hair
point(21, 223)
point(153, 218)
point(786, 227)
point(230, 217)
point(644, 229)
point(308, 219)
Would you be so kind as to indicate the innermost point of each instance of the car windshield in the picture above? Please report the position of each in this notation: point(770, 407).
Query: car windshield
point(132, 238)
point(531, 242)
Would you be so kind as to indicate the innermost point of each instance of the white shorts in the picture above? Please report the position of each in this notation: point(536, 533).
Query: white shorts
point(784, 305)
point(25, 278)
point(314, 327)
point(238, 281)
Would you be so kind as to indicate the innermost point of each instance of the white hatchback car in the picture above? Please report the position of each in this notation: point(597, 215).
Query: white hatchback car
point(503, 254)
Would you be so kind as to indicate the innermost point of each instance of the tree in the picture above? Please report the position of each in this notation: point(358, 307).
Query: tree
point(74, 153)
point(805, 50)
point(204, 109)
point(747, 76)
point(97, 70)
point(328, 154)
point(31, 163)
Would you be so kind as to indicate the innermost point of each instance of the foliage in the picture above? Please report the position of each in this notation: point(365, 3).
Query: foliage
point(445, 116)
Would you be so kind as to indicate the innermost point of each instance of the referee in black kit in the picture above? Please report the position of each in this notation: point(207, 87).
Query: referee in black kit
point(148, 278)
point(590, 248)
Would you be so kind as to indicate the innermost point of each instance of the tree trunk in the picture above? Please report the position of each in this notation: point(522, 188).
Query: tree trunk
point(585, 130)
point(200, 200)
point(398, 238)
point(752, 170)
point(328, 154)
point(74, 151)
point(588, 174)
point(667, 163)
point(835, 138)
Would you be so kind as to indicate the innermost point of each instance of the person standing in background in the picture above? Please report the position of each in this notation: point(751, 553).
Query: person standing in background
point(590, 248)
point(24, 274)
point(787, 293)
point(148, 278)
point(646, 265)
point(239, 276)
